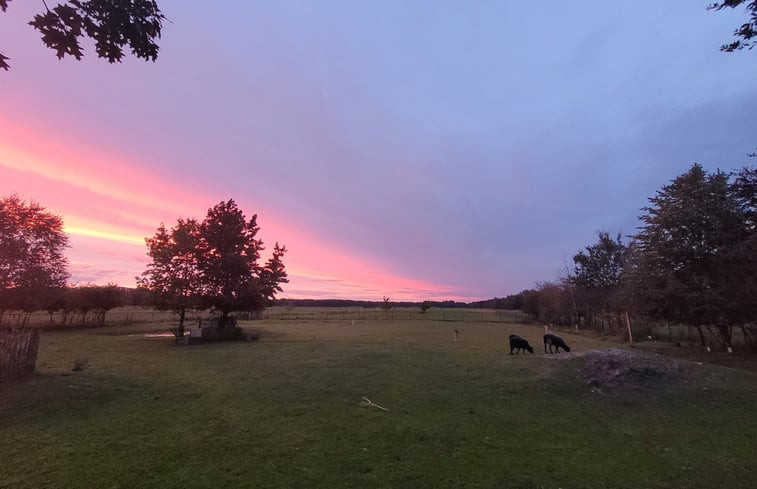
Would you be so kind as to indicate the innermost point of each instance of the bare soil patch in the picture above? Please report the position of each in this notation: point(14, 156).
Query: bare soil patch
point(616, 370)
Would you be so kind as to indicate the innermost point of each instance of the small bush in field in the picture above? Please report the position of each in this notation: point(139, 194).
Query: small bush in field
point(79, 364)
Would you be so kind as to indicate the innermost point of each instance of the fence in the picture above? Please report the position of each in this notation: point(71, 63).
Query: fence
point(131, 315)
point(18, 352)
point(58, 320)
point(327, 314)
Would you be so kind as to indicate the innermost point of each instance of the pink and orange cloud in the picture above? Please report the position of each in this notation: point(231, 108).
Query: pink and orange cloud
point(109, 204)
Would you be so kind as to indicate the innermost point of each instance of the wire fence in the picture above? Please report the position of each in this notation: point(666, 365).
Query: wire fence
point(59, 319)
point(133, 315)
point(327, 314)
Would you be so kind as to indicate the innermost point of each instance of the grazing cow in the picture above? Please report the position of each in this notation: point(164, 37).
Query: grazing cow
point(518, 343)
point(556, 341)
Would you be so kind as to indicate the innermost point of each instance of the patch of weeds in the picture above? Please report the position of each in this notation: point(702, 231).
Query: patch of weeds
point(79, 364)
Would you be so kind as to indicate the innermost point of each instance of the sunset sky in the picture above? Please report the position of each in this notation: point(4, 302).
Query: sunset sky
point(413, 149)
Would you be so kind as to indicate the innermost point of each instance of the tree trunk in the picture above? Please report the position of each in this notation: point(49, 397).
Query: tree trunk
point(747, 336)
point(182, 313)
point(725, 332)
point(701, 335)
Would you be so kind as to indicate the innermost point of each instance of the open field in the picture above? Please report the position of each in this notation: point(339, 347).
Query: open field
point(285, 412)
point(135, 314)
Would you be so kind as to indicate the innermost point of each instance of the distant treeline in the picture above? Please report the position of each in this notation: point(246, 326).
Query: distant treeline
point(88, 304)
point(509, 302)
point(76, 305)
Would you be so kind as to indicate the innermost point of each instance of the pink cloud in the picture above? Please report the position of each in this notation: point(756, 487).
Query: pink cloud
point(109, 204)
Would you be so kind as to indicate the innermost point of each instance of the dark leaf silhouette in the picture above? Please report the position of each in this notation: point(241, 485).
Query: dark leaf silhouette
point(747, 31)
point(113, 25)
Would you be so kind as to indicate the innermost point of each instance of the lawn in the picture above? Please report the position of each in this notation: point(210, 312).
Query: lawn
point(285, 412)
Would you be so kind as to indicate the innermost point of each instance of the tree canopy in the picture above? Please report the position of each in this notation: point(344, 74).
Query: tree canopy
point(685, 231)
point(693, 262)
point(31, 252)
point(213, 264)
point(173, 276)
point(112, 25)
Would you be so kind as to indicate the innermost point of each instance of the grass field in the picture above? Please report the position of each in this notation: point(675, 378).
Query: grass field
point(285, 412)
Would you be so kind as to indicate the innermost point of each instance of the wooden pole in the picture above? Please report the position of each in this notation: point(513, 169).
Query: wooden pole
point(628, 325)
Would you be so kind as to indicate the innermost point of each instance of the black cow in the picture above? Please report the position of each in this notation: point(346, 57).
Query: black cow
point(518, 343)
point(556, 341)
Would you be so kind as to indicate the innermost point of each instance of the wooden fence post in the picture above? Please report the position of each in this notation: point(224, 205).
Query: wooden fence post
point(628, 325)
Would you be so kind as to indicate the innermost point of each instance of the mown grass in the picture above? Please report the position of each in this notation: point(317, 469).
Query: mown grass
point(284, 412)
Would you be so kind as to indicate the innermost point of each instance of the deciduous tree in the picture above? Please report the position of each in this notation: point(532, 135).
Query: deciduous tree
point(113, 25)
point(687, 230)
point(173, 277)
point(32, 242)
point(214, 264)
point(598, 277)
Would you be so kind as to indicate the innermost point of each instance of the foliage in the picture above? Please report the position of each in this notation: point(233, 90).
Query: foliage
point(692, 262)
point(600, 265)
point(112, 25)
point(213, 264)
point(82, 300)
point(598, 280)
point(228, 254)
point(549, 302)
point(747, 31)
point(386, 305)
point(425, 306)
point(173, 277)
point(31, 254)
point(96, 298)
point(512, 301)
point(691, 223)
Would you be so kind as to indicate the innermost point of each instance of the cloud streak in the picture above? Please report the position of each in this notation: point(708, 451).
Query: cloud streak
point(429, 150)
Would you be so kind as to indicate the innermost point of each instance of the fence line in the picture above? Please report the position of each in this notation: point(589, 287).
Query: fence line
point(59, 320)
point(378, 315)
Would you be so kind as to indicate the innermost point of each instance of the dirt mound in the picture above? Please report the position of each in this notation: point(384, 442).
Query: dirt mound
point(617, 370)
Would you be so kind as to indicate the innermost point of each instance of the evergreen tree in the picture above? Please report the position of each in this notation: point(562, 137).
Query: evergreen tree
point(689, 226)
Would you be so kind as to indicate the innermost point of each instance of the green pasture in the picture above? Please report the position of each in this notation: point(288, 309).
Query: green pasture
point(136, 314)
point(285, 412)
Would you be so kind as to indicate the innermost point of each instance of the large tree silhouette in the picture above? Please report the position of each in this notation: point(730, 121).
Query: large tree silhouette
point(228, 255)
point(173, 276)
point(213, 264)
point(688, 229)
point(31, 253)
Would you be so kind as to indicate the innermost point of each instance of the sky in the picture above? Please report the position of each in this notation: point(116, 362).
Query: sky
point(409, 149)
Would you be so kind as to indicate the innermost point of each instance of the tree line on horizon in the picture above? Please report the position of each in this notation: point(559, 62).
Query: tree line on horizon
point(209, 265)
point(692, 262)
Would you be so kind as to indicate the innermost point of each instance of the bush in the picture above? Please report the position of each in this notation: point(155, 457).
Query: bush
point(214, 333)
